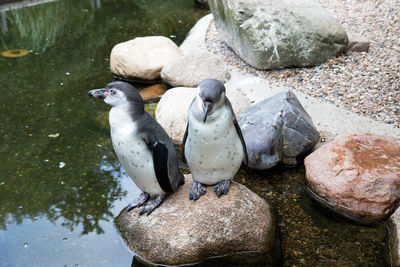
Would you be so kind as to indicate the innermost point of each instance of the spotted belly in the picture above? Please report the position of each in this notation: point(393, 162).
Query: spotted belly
point(137, 160)
point(213, 154)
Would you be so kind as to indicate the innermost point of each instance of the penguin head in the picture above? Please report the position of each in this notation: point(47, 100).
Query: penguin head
point(119, 93)
point(210, 96)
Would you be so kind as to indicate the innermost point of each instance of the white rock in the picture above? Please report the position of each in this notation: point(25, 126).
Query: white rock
point(190, 69)
point(143, 57)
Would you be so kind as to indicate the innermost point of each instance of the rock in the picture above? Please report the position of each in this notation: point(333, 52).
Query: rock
point(356, 175)
point(277, 34)
point(174, 120)
point(153, 92)
point(277, 130)
point(195, 39)
point(357, 43)
point(239, 226)
point(143, 57)
point(190, 69)
point(393, 242)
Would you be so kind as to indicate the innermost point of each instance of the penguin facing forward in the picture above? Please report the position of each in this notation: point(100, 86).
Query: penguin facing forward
point(143, 147)
point(213, 144)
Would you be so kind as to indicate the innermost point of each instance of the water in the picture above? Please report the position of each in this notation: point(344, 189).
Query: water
point(60, 184)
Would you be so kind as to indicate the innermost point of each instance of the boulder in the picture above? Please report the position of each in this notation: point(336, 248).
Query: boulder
point(272, 34)
point(239, 226)
point(393, 240)
point(174, 120)
point(190, 69)
point(357, 43)
point(356, 175)
point(277, 130)
point(142, 58)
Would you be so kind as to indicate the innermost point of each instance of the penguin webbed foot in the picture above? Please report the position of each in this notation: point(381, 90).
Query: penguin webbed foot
point(152, 204)
point(197, 190)
point(222, 187)
point(139, 201)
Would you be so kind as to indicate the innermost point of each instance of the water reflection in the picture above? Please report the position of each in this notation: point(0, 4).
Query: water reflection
point(30, 32)
point(95, 4)
point(4, 21)
point(77, 200)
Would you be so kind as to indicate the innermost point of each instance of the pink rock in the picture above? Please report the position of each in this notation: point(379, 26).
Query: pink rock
point(357, 175)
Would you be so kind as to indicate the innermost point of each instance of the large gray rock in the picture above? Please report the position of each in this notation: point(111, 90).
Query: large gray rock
point(276, 130)
point(270, 34)
point(143, 58)
point(190, 69)
point(239, 226)
point(172, 109)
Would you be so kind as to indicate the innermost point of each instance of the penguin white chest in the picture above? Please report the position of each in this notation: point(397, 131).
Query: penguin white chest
point(132, 151)
point(213, 149)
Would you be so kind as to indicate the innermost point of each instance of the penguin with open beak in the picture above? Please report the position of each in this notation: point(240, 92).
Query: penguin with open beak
point(143, 147)
point(213, 144)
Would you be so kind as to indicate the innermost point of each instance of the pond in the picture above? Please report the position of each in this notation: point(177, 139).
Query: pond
point(61, 185)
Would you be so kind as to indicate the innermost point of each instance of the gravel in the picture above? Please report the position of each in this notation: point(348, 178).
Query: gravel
point(365, 83)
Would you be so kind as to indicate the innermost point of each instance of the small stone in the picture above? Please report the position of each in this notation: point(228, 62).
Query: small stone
point(357, 43)
point(153, 92)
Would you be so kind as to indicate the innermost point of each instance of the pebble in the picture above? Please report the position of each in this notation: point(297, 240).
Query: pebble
point(365, 83)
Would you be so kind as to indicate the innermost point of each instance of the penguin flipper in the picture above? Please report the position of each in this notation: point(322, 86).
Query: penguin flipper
point(183, 144)
point(239, 131)
point(160, 162)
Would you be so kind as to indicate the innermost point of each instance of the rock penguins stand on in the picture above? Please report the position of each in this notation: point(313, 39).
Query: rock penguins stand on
point(143, 147)
point(213, 145)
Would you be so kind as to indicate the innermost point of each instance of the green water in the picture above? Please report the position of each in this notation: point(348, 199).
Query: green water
point(59, 195)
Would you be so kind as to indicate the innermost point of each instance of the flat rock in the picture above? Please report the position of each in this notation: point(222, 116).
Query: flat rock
point(239, 226)
point(356, 175)
point(143, 57)
point(153, 92)
point(190, 69)
point(277, 130)
point(272, 34)
point(174, 120)
point(357, 43)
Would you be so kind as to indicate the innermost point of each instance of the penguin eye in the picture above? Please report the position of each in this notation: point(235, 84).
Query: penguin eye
point(112, 91)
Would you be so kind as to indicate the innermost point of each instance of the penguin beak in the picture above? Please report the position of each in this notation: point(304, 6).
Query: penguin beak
point(97, 93)
point(207, 107)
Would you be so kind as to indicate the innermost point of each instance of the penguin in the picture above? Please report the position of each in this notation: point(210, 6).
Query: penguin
point(142, 146)
point(213, 145)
